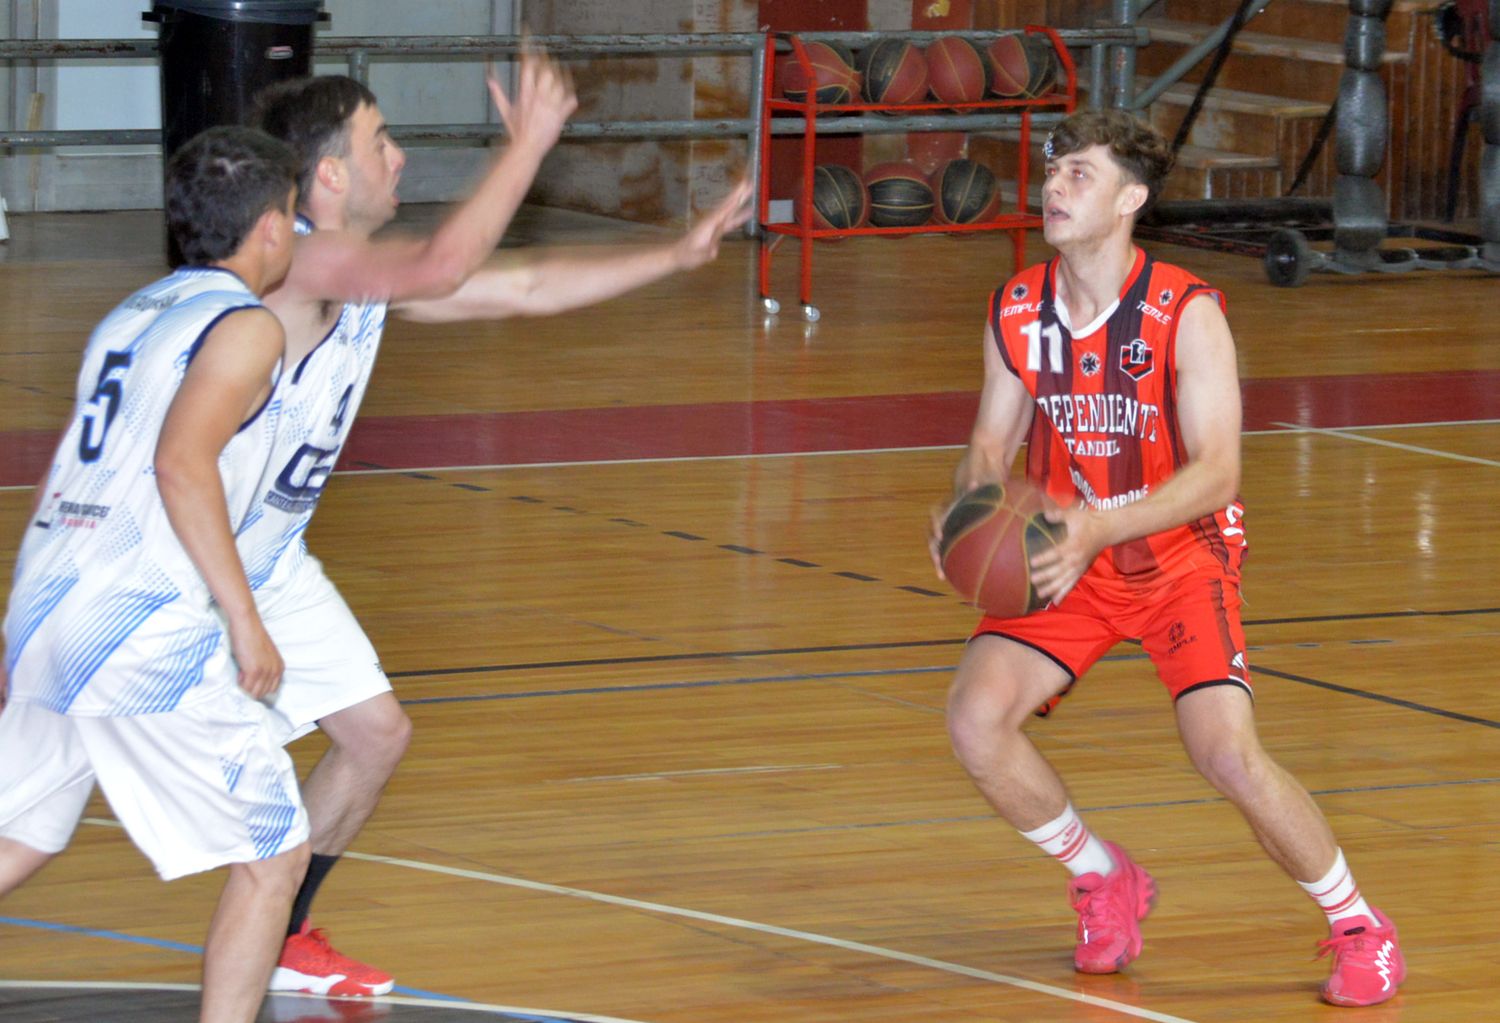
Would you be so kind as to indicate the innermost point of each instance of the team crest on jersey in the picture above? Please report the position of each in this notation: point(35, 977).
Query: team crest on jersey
point(1089, 364)
point(1019, 292)
point(1136, 360)
point(1165, 298)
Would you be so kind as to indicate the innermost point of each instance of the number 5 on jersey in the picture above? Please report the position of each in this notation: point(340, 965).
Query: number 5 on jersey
point(102, 408)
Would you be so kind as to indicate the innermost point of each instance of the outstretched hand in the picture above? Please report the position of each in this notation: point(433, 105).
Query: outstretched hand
point(701, 244)
point(544, 101)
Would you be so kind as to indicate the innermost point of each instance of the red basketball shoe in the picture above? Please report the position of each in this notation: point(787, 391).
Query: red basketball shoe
point(1110, 911)
point(310, 965)
point(1367, 961)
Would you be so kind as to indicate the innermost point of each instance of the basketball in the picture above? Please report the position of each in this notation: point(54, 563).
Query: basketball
point(989, 538)
point(894, 71)
point(955, 70)
point(966, 193)
point(899, 195)
point(1010, 67)
point(833, 72)
point(840, 199)
point(1045, 65)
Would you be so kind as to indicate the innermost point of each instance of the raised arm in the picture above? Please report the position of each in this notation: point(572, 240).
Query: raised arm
point(545, 281)
point(227, 382)
point(343, 266)
point(1208, 418)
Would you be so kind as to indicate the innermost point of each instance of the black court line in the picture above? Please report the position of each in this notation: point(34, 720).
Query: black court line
point(712, 655)
point(1394, 701)
point(1374, 616)
point(1102, 808)
point(708, 655)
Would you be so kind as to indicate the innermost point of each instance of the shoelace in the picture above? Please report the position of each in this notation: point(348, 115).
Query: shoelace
point(1095, 910)
point(1357, 941)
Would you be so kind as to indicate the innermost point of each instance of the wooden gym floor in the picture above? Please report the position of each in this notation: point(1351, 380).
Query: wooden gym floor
point(650, 579)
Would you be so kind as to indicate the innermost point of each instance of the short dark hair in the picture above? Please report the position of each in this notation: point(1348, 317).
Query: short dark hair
point(1138, 149)
point(312, 116)
point(219, 184)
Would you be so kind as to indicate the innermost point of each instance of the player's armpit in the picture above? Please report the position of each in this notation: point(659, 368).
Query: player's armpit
point(337, 266)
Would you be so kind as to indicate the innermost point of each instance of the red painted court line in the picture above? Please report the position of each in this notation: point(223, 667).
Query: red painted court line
point(868, 422)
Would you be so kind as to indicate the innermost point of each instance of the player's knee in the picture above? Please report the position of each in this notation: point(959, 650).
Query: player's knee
point(376, 732)
point(277, 877)
point(1235, 770)
point(982, 719)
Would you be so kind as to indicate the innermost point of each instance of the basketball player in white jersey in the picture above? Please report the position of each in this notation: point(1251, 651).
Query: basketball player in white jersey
point(134, 651)
point(334, 320)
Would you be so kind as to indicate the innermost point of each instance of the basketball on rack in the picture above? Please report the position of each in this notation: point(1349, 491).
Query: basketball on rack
point(840, 200)
point(966, 193)
point(989, 538)
point(955, 70)
point(899, 195)
point(834, 77)
point(1010, 67)
point(1045, 65)
point(894, 71)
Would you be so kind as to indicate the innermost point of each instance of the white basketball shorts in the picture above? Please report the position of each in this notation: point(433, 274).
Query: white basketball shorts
point(330, 663)
point(196, 788)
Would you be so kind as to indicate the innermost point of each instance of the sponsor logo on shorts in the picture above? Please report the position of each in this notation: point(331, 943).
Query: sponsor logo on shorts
point(1178, 636)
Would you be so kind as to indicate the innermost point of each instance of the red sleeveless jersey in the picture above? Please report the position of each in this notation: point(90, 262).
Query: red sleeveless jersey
point(1105, 428)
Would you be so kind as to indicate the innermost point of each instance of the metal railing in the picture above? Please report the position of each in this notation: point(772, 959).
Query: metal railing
point(358, 51)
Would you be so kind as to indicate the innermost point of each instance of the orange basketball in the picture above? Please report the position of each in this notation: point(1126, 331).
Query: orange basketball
point(955, 70)
point(1010, 67)
point(989, 537)
point(834, 77)
point(895, 71)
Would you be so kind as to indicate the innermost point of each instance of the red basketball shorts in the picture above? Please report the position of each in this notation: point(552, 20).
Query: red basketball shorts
point(1190, 627)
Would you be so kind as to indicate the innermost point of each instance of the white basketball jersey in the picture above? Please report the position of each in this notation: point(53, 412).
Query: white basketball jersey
point(108, 615)
point(319, 399)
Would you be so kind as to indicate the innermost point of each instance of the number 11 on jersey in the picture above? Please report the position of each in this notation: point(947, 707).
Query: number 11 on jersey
point(1035, 332)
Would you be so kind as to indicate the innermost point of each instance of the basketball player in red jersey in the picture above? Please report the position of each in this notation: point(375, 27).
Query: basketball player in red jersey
point(1119, 373)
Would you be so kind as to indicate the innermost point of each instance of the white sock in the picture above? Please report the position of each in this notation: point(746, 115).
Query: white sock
point(1337, 894)
point(1070, 842)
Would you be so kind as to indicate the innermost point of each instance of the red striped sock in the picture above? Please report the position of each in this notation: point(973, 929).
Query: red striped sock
point(1337, 894)
point(1070, 842)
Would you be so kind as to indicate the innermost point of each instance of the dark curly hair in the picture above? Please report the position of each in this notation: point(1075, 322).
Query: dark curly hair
point(312, 116)
point(1138, 149)
point(219, 184)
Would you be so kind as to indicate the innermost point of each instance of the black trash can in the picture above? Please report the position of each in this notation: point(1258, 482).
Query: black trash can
point(216, 55)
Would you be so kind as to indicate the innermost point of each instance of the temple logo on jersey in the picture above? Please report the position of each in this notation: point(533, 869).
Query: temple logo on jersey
point(1090, 364)
point(1156, 314)
point(1165, 298)
point(1019, 293)
point(1136, 360)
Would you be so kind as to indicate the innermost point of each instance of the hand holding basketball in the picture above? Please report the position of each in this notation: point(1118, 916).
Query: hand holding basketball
point(1082, 535)
point(986, 543)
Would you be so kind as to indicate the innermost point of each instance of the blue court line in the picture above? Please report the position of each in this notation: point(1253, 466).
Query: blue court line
point(197, 950)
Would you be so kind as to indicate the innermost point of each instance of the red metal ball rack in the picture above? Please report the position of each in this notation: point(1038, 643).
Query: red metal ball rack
point(1017, 222)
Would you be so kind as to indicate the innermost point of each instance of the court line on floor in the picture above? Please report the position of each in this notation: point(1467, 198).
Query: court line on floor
point(1281, 429)
point(1381, 442)
point(738, 923)
point(914, 644)
point(162, 943)
point(450, 1004)
point(810, 937)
